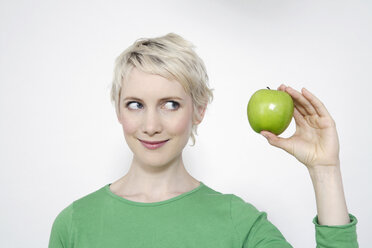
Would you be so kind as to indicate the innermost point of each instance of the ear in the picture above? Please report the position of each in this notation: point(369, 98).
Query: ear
point(199, 115)
point(118, 114)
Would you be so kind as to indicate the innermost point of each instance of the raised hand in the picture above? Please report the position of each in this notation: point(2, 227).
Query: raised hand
point(315, 142)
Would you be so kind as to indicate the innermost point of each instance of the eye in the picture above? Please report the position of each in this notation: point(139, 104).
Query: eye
point(133, 105)
point(172, 105)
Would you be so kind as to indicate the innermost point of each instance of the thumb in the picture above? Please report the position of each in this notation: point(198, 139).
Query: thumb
point(277, 141)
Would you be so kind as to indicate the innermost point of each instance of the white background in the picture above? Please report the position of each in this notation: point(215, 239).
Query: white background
point(60, 139)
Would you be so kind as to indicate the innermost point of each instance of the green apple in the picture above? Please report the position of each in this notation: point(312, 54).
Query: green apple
point(270, 110)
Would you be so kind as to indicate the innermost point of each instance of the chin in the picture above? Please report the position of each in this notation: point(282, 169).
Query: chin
point(155, 161)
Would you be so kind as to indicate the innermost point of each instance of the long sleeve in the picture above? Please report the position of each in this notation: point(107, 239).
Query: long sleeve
point(342, 236)
point(208, 219)
point(255, 231)
point(253, 228)
point(60, 233)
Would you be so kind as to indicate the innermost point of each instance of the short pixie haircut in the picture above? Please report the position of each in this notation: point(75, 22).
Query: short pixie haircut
point(171, 57)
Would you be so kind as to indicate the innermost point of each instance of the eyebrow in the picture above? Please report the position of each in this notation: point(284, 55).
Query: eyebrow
point(162, 99)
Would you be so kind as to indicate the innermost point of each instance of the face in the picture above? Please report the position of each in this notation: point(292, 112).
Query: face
point(154, 109)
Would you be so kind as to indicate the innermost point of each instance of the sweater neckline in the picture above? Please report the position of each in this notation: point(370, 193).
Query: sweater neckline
point(150, 204)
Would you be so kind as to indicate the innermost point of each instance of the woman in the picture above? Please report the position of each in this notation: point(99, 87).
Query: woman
point(160, 90)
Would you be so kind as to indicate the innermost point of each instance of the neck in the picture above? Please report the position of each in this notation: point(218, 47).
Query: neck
point(155, 182)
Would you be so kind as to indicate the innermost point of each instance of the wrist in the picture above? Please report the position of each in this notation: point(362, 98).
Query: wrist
point(329, 194)
point(322, 172)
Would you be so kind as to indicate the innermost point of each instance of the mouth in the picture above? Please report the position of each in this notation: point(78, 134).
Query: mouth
point(153, 144)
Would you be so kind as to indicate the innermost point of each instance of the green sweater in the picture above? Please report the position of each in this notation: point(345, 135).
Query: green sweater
point(202, 218)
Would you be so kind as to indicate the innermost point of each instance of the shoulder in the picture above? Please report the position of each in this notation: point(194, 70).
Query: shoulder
point(213, 197)
point(87, 205)
point(232, 199)
point(63, 219)
point(91, 198)
point(239, 204)
point(84, 205)
point(61, 228)
point(63, 225)
point(236, 205)
point(243, 212)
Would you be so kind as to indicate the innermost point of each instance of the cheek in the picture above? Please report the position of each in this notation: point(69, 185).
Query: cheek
point(129, 125)
point(182, 125)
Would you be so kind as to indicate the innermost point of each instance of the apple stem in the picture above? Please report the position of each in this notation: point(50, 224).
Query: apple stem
point(268, 87)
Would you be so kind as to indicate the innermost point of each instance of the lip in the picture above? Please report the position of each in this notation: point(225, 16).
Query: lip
point(153, 144)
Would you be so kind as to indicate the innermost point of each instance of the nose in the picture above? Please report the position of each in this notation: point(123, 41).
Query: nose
point(152, 123)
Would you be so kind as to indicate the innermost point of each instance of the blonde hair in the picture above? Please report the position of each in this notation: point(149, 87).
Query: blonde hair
point(171, 57)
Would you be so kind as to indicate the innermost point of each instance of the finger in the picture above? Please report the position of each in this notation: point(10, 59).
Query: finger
point(282, 87)
point(299, 118)
point(302, 102)
point(318, 105)
point(282, 143)
point(300, 109)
